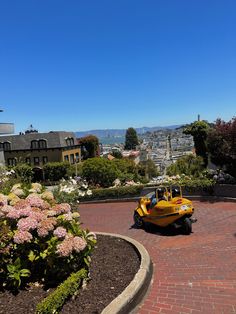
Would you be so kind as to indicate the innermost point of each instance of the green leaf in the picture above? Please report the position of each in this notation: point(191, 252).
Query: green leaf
point(31, 256)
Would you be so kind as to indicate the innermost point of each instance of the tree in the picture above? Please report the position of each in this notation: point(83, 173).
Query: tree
point(117, 154)
point(189, 165)
point(199, 131)
point(131, 139)
point(55, 171)
point(90, 146)
point(99, 171)
point(221, 143)
point(148, 169)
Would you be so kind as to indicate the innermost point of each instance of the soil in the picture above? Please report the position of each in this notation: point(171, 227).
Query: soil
point(114, 264)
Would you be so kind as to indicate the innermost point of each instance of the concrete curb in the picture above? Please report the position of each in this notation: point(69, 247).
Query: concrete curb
point(134, 293)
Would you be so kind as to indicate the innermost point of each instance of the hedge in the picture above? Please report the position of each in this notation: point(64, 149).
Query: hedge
point(57, 298)
point(118, 192)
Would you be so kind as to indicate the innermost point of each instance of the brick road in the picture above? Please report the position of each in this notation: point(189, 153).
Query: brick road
point(192, 274)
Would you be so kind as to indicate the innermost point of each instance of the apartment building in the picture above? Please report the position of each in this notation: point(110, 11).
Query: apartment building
point(36, 149)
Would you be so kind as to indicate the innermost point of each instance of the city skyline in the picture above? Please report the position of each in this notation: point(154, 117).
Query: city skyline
point(114, 65)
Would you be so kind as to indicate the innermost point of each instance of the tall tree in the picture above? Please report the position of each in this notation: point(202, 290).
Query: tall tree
point(199, 131)
point(189, 165)
point(131, 139)
point(90, 146)
point(221, 143)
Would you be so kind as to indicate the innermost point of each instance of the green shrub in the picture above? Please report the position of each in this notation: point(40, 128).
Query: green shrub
point(57, 298)
point(119, 192)
point(7, 180)
point(55, 171)
point(189, 184)
point(99, 171)
point(189, 165)
point(24, 173)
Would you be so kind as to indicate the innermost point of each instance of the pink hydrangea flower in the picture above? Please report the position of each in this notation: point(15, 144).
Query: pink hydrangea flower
point(21, 204)
point(27, 224)
point(45, 226)
point(25, 212)
point(38, 215)
point(3, 200)
point(35, 200)
point(65, 248)
point(51, 213)
point(62, 208)
point(22, 236)
point(68, 216)
point(13, 214)
point(6, 208)
point(79, 244)
point(60, 232)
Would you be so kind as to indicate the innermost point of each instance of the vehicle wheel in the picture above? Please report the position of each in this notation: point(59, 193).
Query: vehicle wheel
point(138, 221)
point(187, 226)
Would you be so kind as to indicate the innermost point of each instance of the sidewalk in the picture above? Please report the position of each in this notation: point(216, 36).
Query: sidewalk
point(192, 274)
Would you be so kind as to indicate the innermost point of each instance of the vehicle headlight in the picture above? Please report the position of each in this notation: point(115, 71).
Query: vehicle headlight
point(185, 207)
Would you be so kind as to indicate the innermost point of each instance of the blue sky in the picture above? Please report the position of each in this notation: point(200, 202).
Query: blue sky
point(98, 64)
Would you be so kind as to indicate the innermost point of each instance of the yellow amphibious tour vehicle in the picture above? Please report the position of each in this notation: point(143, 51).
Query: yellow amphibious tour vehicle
point(165, 207)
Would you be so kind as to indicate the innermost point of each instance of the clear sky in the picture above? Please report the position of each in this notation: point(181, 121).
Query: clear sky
point(97, 64)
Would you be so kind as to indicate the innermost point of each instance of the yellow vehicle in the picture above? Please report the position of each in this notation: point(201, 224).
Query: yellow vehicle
point(165, 207)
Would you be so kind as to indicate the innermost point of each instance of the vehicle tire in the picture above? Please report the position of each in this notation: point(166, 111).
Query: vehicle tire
point(138, 221)
point(187, 226)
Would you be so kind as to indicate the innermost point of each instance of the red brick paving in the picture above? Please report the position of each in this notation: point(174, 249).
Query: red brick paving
point(192, 274)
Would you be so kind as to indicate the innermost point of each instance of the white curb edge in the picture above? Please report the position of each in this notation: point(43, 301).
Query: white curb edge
point(133, 294)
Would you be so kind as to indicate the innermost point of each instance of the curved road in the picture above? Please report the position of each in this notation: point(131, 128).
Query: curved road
point(192, 274)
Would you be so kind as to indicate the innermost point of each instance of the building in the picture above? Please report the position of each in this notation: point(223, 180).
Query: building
point(36, 149)
point(5, 128)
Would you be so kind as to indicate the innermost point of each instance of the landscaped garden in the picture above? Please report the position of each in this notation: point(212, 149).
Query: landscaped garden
point(46, 254)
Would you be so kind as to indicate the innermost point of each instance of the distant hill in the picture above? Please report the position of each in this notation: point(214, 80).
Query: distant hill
point(121, 132)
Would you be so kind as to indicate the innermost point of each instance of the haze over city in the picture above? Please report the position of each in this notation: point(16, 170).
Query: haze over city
point(83, 65)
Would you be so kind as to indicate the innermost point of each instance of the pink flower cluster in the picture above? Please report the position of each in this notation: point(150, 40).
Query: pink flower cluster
point(35, 201)
point(60, 232)
point(34, 216)
point(62, 208)
point(22, 236)
point(26, 224)
point(70, 243)
point(45, 226)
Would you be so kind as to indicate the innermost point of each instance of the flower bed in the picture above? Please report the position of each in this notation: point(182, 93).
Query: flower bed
point(41, 241)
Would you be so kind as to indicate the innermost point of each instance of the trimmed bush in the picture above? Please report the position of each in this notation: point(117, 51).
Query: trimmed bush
point(57, 298)
point(55, 171)
point(99, 171)
point(120, 192)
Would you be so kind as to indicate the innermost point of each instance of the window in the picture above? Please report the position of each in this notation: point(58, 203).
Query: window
point(34, 144)
point(77, 157)
point(66, 158)
point(72, 158)
point(45, 159)
point(42, 144)
point(69, 141)
point(36, 161)
point(7, 146)
point(27, 160)
point(11, 162)
point(1, 146)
